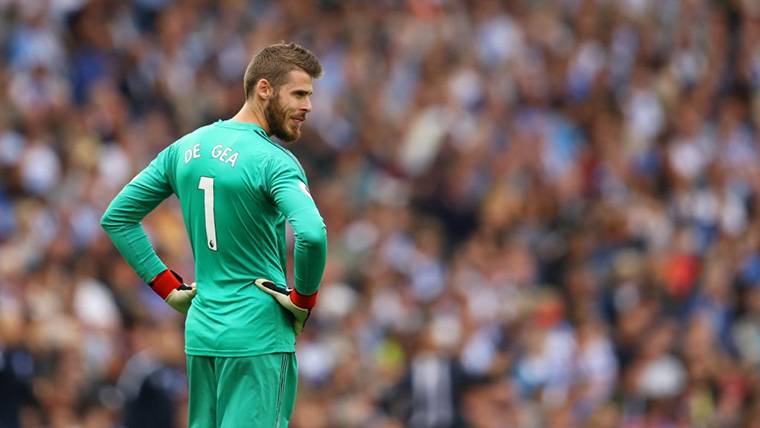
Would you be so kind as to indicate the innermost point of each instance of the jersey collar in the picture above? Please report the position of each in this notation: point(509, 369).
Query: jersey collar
point(244, 126)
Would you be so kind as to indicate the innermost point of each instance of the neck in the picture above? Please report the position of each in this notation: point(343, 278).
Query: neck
point(252, 113)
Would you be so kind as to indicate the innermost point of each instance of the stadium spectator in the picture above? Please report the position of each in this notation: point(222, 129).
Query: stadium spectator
point(563, 193)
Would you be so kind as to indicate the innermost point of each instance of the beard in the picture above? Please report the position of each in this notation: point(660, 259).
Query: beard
point(277, 118)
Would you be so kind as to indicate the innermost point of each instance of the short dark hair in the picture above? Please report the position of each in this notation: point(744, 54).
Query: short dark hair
point(274, 62)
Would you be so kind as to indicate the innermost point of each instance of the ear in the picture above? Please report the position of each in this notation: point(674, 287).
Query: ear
point(264, 89)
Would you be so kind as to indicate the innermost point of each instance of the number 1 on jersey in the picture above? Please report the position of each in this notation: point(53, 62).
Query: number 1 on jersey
point(207, 185)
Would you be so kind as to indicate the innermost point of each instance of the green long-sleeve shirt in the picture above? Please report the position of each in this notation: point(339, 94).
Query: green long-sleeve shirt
point(236, 188)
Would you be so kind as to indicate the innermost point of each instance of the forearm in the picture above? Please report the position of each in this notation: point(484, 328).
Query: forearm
point(310, 253)
point(291, 195)
point(310, 257)
point(134, 246)
point(122, 218)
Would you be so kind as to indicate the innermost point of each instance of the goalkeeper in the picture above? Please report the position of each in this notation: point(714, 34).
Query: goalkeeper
point(237, 188)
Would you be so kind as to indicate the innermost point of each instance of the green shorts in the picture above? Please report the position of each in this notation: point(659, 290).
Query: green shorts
point(241, 392)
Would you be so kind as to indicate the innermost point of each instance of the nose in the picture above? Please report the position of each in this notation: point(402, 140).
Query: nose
point(306, 106)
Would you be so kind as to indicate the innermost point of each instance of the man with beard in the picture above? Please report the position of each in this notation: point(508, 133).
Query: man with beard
point(236, 188)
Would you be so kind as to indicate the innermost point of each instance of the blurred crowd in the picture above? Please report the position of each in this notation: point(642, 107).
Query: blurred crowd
point(540, 213)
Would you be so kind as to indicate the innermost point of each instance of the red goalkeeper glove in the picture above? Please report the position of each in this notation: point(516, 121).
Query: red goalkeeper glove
point(299, 305)
point(169, 285)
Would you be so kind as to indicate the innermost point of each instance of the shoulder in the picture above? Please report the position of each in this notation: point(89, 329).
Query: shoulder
point(279, 158)
point(284, 159)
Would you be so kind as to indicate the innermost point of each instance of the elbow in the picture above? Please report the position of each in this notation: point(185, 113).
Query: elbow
point(108, 222)
point(105, 221)
point(314, 236)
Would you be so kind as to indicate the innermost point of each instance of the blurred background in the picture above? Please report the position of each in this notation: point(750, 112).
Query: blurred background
point(540, 213)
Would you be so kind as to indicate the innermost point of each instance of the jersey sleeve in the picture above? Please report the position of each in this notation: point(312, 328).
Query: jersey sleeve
point(122, 218)
point(288, 190)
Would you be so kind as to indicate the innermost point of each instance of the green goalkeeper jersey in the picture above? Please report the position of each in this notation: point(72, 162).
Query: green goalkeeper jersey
point(236, 188)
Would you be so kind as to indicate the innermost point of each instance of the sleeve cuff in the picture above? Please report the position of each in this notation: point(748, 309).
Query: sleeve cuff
point(302, 300)
point(165, 282)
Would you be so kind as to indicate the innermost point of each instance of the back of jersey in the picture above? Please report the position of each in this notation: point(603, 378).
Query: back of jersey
point(222, 177)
